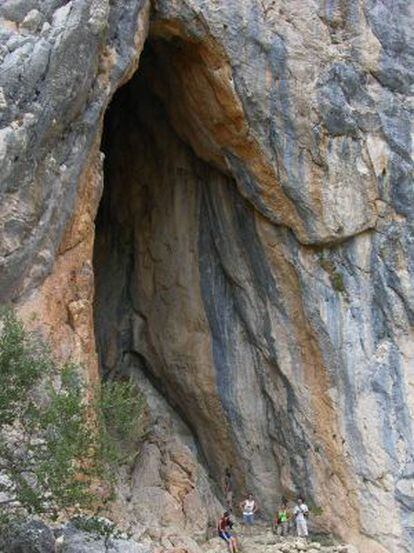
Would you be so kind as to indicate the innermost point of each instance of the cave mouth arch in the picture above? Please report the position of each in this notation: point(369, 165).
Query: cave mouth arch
point(177, 268)
point(153, 239)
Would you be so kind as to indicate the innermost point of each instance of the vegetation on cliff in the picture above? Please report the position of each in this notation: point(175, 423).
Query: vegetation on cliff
point(58, 443)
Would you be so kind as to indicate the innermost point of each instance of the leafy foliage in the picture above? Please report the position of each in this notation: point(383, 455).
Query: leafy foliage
point(337, 280)
point(97, 526)
point(122, 409)
point(19, 371)
point(335, 276)
point(55, 446)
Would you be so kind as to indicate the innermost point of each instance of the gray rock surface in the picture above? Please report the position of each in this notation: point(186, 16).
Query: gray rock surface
point(29, 537)
point(34, 536)
point(262, 539)
point(254, 251)
point(75, 541)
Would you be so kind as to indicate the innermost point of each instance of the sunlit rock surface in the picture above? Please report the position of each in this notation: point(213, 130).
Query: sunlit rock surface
point(253, 252)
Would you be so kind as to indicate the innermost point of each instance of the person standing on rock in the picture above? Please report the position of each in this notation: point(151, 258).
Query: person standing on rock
point(249, 509)
point(301, 513)
point(282, 520)
point(228, 488)
point(224, 527)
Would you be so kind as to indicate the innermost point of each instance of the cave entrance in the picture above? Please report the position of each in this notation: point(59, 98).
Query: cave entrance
point(155, 256)
point(144, 226)
point(176, 254)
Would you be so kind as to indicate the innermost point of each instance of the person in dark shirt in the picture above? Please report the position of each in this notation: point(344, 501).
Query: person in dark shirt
point(224, 527)
point(228, 488)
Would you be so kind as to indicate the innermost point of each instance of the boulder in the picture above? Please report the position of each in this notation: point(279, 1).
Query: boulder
point(32, 536)
point(73, 540)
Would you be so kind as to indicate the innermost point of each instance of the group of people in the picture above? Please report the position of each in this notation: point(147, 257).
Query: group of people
point(298, 515)
point(249, 507)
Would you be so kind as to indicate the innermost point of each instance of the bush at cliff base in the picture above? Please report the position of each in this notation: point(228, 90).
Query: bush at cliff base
point(55, 446)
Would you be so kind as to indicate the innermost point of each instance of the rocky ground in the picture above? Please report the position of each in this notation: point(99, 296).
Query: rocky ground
point(35, 537)
point(265, 541)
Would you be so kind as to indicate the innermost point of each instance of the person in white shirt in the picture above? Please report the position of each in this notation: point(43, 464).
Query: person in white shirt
point(300, 513)
point(249, 509)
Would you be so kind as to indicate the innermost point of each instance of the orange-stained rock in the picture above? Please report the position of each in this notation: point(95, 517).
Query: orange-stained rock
point(252, 256)
point(62, 306)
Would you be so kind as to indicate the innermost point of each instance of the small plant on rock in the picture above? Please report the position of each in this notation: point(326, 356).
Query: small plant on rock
point(335, 276)
point(55, 445)
point(97, 526)
point(123, 419)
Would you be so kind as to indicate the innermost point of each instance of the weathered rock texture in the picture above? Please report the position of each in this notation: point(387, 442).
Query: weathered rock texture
point(254, 249)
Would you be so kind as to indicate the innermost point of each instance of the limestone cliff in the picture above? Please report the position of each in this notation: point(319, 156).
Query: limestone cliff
point(252, 255)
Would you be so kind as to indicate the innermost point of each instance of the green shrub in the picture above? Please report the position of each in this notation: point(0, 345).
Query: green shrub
point(54, 445)
point(337, 281)
point(122, 409)
point(22, 363)
point(335, 276)
point(97, 526)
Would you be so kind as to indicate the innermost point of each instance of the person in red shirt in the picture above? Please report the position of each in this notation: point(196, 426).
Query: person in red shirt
point(224, 527)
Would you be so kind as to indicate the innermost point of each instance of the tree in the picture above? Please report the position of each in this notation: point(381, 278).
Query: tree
point(55, 446)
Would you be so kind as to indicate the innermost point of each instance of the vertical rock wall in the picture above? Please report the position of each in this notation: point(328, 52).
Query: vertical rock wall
point(254, 255)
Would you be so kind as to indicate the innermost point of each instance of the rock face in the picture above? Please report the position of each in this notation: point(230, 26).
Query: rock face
point(35, 537)
point(254, 247)
point(167, 498)
point(73, 540)
point(30, 537)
